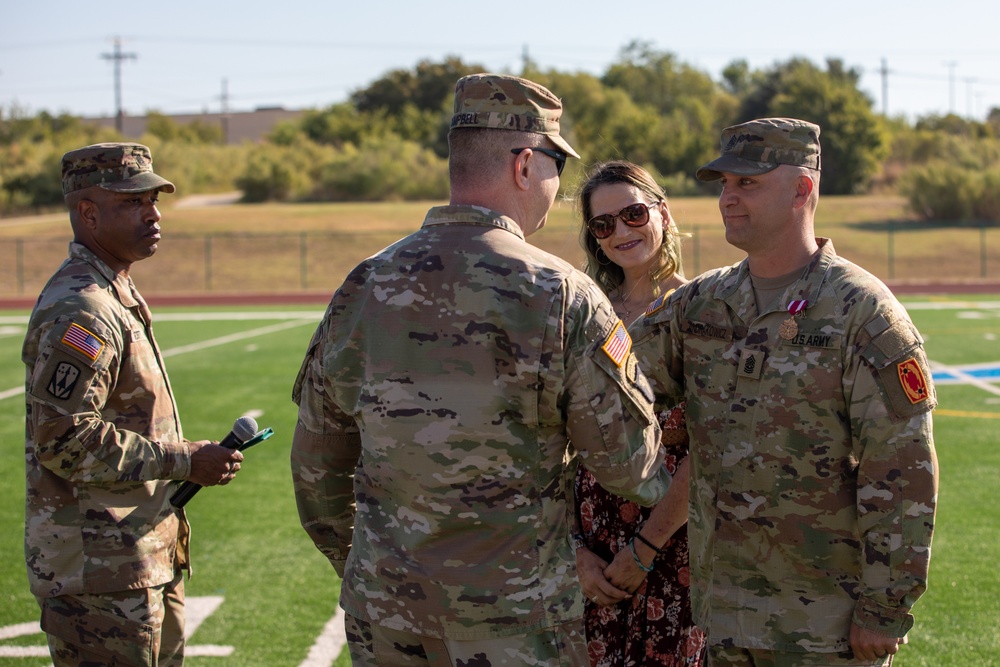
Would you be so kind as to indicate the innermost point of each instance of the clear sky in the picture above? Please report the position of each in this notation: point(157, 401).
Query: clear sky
point(942, 56)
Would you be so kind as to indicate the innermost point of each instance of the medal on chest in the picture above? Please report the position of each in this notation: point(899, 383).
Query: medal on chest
point(790, 328)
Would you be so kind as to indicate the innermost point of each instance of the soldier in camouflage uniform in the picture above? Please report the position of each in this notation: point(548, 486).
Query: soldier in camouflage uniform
point(814, 477)
point(103, 546)
point(432, 461)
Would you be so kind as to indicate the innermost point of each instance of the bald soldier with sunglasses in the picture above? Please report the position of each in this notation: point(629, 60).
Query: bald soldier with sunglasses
point(438, 400)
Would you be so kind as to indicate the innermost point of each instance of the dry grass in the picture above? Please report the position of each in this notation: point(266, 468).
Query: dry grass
point(310, 247)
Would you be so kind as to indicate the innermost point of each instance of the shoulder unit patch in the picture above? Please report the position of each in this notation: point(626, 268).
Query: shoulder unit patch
point(912, 379)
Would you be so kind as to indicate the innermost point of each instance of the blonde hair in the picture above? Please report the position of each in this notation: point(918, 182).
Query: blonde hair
point(608, 275)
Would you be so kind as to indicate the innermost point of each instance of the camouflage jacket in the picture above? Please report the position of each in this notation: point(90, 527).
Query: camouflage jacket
point(814, 477)
point(102, 438)
point(446, 381)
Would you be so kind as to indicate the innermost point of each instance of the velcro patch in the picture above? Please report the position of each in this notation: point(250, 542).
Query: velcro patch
point(912, 379)
point(83, 341)
point(618, 344)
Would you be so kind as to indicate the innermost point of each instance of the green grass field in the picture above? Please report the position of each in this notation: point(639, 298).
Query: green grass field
point(275, 594)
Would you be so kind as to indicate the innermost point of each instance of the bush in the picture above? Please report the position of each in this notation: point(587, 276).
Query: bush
point(281, 173)
point(383, 169)
point(987, 205)
point(942, 191)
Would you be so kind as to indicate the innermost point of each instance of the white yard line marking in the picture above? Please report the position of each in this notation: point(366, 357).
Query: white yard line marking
point(952, 305)
point(213, 342)
point(232, 338)
point(964, 377)
point(329, 644)
point(196, 610)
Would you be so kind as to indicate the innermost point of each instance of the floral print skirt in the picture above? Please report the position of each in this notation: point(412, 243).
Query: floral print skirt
point(654, 626)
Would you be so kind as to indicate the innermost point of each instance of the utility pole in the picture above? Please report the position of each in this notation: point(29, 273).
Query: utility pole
point(951, 85)
point(968, 96)
point(117, 57)
point(885, 87)
point(225, 111)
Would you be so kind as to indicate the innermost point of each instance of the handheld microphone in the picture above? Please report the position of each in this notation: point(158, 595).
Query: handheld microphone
point(243, 429)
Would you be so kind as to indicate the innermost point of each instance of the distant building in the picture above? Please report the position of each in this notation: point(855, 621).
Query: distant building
point(237, 126)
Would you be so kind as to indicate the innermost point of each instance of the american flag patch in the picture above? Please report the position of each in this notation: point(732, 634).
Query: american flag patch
point(618, 344)
point(658, 303)
point(84, 341)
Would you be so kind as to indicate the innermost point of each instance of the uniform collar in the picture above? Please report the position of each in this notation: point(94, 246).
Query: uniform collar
point(737, 289)
point(471, 215)
point(120, 282)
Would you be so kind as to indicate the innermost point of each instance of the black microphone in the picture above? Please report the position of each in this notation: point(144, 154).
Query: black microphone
point(243, 429)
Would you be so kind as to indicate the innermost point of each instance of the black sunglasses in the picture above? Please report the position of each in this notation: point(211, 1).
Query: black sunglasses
point(634, 215)
point(558, 156)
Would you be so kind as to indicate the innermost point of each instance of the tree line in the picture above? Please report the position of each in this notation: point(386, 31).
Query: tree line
point(388, 141)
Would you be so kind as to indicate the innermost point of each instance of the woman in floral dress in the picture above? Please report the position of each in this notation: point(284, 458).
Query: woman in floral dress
point(633, 561)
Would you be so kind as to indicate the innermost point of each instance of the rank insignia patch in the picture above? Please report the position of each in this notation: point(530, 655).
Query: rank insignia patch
point(83, 341)
point(618, 344)
point(912, 379)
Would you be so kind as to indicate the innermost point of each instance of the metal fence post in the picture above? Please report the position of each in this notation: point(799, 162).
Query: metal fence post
point(19, 254)
point(892, 248)
point(695, 251)
point(303, 260)
point(208, 262)
point(982, 250)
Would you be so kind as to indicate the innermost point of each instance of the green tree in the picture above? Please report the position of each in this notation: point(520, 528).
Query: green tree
point(424, 87)
point(693, 108)
point(853, 137)
point(195, 132)
point(31, 150)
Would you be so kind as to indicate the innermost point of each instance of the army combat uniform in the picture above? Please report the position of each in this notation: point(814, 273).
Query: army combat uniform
point(441, 391)
point(814, 477)
point(102, 440)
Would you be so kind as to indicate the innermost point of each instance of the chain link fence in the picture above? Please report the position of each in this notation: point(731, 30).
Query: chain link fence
point(294, 262)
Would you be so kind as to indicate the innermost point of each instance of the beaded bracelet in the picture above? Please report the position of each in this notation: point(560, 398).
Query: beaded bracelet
point(635, 557)
point(648, 543)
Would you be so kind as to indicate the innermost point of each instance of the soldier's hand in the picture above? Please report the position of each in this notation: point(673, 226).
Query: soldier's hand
point(868, 645)
point(590, 569)
point(212, 464)
point(624, 574)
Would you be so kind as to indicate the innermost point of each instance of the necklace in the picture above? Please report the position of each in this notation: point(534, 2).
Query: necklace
point(623, 300)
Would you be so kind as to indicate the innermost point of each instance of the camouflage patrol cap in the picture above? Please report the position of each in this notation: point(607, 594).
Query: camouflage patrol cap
point(761, 145)
point(508, 103)
point(118, 167)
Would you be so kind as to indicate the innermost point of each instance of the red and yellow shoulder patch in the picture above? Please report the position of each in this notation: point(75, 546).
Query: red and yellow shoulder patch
point(618, 344)
point(912, 379)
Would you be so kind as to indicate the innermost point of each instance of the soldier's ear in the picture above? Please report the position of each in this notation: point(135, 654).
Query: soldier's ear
point(803, 188)
point(88, 213)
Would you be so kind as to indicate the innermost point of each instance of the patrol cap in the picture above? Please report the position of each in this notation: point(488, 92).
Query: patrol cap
point(118, 167)
point(506, 102)
point(761, 145)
